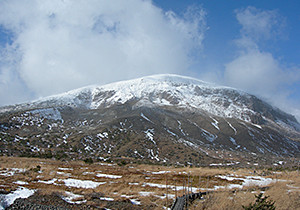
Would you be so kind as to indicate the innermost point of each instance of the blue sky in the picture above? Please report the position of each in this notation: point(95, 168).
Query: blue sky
point(224, 28)
point(51, 46)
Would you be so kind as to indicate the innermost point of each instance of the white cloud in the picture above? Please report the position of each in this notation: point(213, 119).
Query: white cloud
point(64, 44)
point(257, 71)
point(260, 24)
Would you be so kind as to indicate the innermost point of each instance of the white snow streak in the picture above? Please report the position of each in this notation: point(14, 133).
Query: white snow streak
point(71, 196)
point(109, 176)
point(146, 118)
point(215, 123)
point(233, 128)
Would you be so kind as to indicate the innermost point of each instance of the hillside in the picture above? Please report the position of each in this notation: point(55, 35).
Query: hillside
point(161, 119)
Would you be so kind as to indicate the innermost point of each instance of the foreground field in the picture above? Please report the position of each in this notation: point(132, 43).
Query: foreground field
point(79, 185)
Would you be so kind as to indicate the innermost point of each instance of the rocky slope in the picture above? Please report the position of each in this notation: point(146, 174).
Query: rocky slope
point(161, 118)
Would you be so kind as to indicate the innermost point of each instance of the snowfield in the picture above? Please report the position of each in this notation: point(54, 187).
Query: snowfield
point(248, 181)
point(74, 183)
point(156, 90)
point(179, 90)
point(7, 200)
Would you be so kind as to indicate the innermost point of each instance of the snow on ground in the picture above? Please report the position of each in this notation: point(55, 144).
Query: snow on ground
point(107, 164)
point(135, 201)
point(156, 91)
point(7, 200)
point(50, 113)
point(233, 128)
point(293, 188)
point(172, 196)
point(87, 173)
point(74, 183)
point(63, 173)
point(137, 153)
point(102, 135)
point(52, 181)
point(149, 134)
point(133, 183)
point(224, 164)
point(11, 171)
point(233, 141)
point(187, 143)
point(161, 172)
point(258, 126)
point(132, 200)
point(170, 132)
point(71, 196)
point(215, 123)
point(164, 186)
point(207, 135)
point(180, 128)
point(151, 154)
point(65, 169)
point(146, 118)
point(143, 193)
point(126, 196)
point(106, 199)
point(109, 176)
point(189, 92)
point(81, 183)
point(21, 183)
point(247, 181)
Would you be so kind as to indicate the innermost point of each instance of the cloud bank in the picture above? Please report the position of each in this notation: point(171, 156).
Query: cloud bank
point(255, 70)
point(58, 45)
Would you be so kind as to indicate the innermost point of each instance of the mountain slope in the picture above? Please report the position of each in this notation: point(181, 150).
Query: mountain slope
point(165, 118)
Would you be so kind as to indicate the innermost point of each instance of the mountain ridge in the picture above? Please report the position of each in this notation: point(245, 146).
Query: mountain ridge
point(158, 118)
point(140, 86)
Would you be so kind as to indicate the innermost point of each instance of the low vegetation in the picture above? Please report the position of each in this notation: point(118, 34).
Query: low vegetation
point(138, 186)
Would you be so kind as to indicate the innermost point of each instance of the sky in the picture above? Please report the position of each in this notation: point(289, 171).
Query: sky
point(52, 46)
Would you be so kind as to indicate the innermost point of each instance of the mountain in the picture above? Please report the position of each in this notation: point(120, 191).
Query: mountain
point(160, 118)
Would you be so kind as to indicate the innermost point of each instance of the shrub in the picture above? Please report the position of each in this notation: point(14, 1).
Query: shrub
point(122, 163)
point(88, 160)
point(261, 203)
point(37, 169)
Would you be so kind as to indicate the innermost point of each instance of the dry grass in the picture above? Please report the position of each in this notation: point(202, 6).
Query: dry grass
point(284, 193)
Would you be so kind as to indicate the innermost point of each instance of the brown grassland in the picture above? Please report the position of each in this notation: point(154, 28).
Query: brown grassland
point(146, 183)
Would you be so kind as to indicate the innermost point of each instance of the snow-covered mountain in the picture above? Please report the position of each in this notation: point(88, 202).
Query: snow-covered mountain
point(199, 115)
point(167, 90)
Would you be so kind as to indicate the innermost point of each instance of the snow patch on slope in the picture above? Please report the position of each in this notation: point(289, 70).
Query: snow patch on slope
point(233, 128)
point(21, 192)
point(50, 113)
point(215, 123)
point(146, 118)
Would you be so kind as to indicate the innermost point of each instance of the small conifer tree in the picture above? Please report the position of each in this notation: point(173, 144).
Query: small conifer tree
point(261, 203)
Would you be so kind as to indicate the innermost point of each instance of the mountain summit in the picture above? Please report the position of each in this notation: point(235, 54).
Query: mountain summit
point(155, 118)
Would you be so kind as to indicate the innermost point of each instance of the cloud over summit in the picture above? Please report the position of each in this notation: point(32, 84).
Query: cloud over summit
point(60, 45)
point(254, 69)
